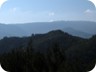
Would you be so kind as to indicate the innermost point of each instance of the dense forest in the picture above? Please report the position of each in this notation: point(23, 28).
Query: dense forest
point(55, 51)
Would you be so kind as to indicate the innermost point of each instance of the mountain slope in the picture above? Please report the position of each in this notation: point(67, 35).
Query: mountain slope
point(71, 53)
point(41, 42)
point(26, 29)
point(78, 33)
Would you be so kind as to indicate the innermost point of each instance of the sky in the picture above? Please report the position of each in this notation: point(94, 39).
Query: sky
point(23, 11)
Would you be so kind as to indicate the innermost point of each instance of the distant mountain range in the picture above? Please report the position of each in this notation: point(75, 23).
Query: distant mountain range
point(78, 33)
point(83, 29)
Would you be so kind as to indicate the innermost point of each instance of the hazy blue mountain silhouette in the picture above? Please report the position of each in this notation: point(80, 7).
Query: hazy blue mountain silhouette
point(79, 28)
point(78, 33)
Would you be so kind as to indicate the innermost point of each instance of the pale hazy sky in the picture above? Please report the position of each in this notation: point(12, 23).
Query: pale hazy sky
point(21, 11)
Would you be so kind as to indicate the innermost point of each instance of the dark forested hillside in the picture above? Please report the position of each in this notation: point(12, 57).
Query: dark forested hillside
point(41, 41)
point(55, 51)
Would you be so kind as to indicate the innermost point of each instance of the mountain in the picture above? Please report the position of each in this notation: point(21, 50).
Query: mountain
point(26, 29)
point(40, 41)
point(11, 30)
point(78, 54)
point(78, 33)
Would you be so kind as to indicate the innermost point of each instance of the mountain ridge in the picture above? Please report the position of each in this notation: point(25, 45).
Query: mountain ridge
point(26, 29)
point(41, 41)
